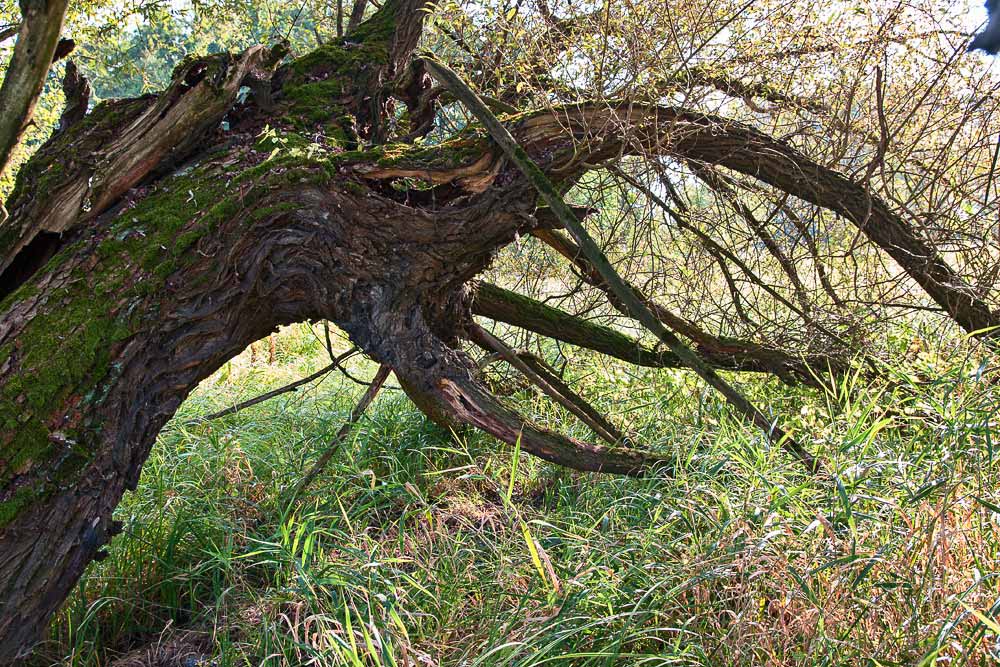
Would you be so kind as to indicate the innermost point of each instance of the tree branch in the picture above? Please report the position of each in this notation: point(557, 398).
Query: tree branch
point(489, 342)
point(700, 137)
point(38, 36)
point(331, 449)
point(515, 309)
point(593, 253)
point(292, 386)
point(455, 396)
point(357, 13)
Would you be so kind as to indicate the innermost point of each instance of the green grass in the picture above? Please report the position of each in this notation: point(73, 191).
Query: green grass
point(418, 548)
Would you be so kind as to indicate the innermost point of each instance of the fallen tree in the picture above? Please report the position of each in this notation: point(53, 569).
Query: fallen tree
point(148, 243)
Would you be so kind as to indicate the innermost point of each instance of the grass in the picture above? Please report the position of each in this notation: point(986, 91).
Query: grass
point(417, 548)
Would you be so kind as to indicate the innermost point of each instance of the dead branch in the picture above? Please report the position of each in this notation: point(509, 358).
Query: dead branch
point(490, 342)
point(288, 388)
point(331, 449)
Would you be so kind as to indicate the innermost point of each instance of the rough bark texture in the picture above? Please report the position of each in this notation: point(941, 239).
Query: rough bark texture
point(164, 245)
point(144, 271)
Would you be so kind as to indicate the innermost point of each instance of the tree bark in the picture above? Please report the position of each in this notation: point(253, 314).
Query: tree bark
point(34, 51)
point(147, 245)
point(132, 277)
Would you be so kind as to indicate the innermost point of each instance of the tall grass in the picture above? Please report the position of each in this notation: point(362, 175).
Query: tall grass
point(420, 547)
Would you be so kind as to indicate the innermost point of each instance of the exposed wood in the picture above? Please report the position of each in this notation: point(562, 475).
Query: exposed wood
point(169, 126)
point(448, 392)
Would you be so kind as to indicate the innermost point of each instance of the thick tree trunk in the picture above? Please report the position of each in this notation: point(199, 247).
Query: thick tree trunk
point(147, 245)
point(132, 277)
point(138, 313)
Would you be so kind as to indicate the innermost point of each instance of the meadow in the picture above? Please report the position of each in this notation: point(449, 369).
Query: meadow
point(420, 547)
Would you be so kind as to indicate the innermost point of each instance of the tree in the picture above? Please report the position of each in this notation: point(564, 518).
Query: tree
point(154, 238)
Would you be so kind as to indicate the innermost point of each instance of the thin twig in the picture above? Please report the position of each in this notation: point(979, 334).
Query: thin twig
point(233, 409)
point(345, 430)
point(9, 31)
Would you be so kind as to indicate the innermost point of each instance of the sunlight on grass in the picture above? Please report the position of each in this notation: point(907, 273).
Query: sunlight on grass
point(417, 548)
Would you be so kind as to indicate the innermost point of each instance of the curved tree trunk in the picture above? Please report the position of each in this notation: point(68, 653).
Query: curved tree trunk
point(150, 261)
point(146, 246)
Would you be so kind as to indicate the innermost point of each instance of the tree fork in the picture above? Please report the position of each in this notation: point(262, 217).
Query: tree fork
point(150, 290)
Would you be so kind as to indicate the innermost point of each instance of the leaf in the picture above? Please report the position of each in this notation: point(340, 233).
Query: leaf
point(533, 550)
point(987, 504)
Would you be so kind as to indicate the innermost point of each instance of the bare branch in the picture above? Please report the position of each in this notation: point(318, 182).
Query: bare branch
point(635, 306)
point(698, 137)
point(345, 430)
point(293, 386)
point(357, 13)
point(9, 31)
point(490, 342)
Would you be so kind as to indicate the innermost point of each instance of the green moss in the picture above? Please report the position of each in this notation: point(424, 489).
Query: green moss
point(106, 301)
point(379, 27)
point(24, 497)
point(99, 307)
point(47, 169)
point(327, 77)
point(458, 152)
point(356, 188)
